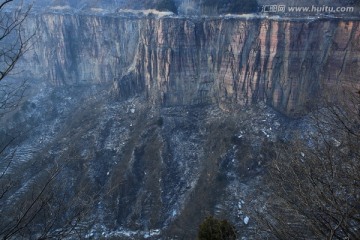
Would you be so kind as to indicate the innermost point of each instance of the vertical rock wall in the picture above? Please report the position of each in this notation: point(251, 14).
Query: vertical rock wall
point(177, 61)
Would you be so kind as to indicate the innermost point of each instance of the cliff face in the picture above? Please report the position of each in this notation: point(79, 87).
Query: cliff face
point(158, 171)
point(178, 61)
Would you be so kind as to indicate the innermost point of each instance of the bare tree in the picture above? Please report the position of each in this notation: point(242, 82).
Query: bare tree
point(43, 207)
point(37, 204)
point(314, 180)
point(14, 42)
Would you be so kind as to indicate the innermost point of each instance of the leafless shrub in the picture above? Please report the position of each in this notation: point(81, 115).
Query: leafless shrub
point(313, 183)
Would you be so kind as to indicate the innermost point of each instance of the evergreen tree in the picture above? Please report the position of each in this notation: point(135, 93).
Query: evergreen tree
point(232, 6)
point(214, 229)
point(167, 5)
point(243, 6)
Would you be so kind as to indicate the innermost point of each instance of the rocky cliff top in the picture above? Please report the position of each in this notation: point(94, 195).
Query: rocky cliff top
point(198, 8)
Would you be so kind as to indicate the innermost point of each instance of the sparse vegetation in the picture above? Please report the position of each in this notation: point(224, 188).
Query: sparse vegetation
point(314, 180)
point(30, 206)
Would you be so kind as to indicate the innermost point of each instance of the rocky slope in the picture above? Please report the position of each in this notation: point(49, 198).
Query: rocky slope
point(181, 61)
point(142, 171)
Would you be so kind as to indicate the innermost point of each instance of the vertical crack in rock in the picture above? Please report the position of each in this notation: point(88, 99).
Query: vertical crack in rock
point(177, 61)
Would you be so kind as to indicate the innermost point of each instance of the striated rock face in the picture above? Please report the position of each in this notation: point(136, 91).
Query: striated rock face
point(179, 61)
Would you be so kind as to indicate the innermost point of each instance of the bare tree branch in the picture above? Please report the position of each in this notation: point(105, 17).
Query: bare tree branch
point(314, 183)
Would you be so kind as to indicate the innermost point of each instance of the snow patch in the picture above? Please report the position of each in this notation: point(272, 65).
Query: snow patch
point(250, 15)
point(240, 204)
point(265, 133)
point(98, 10)
point(147, 12)
point(246, 220)
point(336, 142)
point(105, 233)
point(152, 233)
point(65, 7)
